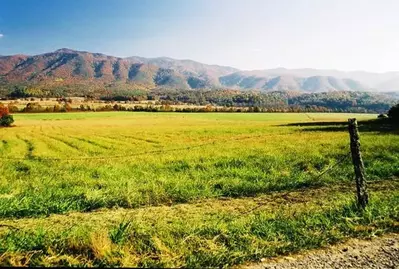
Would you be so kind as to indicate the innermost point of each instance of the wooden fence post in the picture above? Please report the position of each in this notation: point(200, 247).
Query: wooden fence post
point(362, 195)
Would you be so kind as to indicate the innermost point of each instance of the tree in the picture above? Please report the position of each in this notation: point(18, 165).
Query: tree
point(3, 110)
point(19, 92)
point(5, 118)
point(393, 113)
point(67, 107)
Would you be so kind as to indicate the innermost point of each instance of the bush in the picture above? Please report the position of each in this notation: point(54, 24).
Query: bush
point(6, 120)
point(33, 107)
point(13, 108)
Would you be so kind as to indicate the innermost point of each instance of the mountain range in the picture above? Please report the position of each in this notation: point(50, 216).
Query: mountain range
point(70, 66)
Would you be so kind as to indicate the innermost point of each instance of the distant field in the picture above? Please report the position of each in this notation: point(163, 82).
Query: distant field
point(173, 189)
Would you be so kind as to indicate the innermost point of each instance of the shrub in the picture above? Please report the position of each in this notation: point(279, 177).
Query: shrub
point(13, 108)
point(33, 107)
point(6, 120)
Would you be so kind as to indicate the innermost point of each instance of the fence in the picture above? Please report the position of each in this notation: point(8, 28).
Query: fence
point(355, 153)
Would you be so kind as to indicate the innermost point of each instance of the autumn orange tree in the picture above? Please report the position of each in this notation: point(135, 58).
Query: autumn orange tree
point(5, 118)
point(3, 111)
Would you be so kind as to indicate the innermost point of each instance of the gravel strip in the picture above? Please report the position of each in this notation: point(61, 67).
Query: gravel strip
point(382, 252)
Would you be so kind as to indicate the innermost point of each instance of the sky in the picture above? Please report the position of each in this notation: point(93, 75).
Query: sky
point(246, 34)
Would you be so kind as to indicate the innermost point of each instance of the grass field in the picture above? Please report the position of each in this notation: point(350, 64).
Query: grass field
point(195, 190)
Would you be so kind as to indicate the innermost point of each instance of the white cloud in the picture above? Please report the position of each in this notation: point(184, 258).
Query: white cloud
point(1, 35)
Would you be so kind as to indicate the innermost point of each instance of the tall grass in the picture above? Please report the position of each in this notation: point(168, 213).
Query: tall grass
point(193, 239)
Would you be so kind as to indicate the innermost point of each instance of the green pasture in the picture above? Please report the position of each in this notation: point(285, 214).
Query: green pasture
point(177, 189)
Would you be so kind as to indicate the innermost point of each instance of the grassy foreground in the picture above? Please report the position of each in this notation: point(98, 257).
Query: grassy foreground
point(211, 233)
point(140, 189)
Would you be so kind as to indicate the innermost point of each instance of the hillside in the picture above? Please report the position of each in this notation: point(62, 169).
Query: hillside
point(247, 80)
point(71, 66)
point(388, 81)
point(68, 67)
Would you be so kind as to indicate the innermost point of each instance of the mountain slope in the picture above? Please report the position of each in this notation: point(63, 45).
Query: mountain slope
point(70, 66)
point(286, 82)
point(388, 81)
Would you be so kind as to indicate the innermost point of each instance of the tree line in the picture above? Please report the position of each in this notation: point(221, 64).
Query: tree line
point(255, 101)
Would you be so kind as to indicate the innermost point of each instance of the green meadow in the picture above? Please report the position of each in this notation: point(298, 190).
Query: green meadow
point(186, 189)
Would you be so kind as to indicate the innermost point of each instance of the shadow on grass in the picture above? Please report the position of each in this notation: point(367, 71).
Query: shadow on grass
point(378, 125)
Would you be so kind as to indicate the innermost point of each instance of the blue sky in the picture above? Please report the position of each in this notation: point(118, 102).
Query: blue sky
point(248, 34)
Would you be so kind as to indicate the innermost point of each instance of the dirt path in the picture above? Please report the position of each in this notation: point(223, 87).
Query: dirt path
point(380, 252)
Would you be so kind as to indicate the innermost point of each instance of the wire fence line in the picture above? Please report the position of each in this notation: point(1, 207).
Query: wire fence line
point(338, 161)
point(315, 178)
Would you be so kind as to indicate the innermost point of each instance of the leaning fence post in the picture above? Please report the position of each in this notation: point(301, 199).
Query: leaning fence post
point(362, 196)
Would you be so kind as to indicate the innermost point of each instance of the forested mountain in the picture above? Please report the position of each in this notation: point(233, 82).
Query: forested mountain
point(288, 82)
point(66, 67)
point(388, 81)
point(69, 66)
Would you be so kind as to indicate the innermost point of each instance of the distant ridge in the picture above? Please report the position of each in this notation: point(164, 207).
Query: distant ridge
point(72, 66)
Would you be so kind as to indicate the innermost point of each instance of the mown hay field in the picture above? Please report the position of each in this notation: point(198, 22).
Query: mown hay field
point(181, 189)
